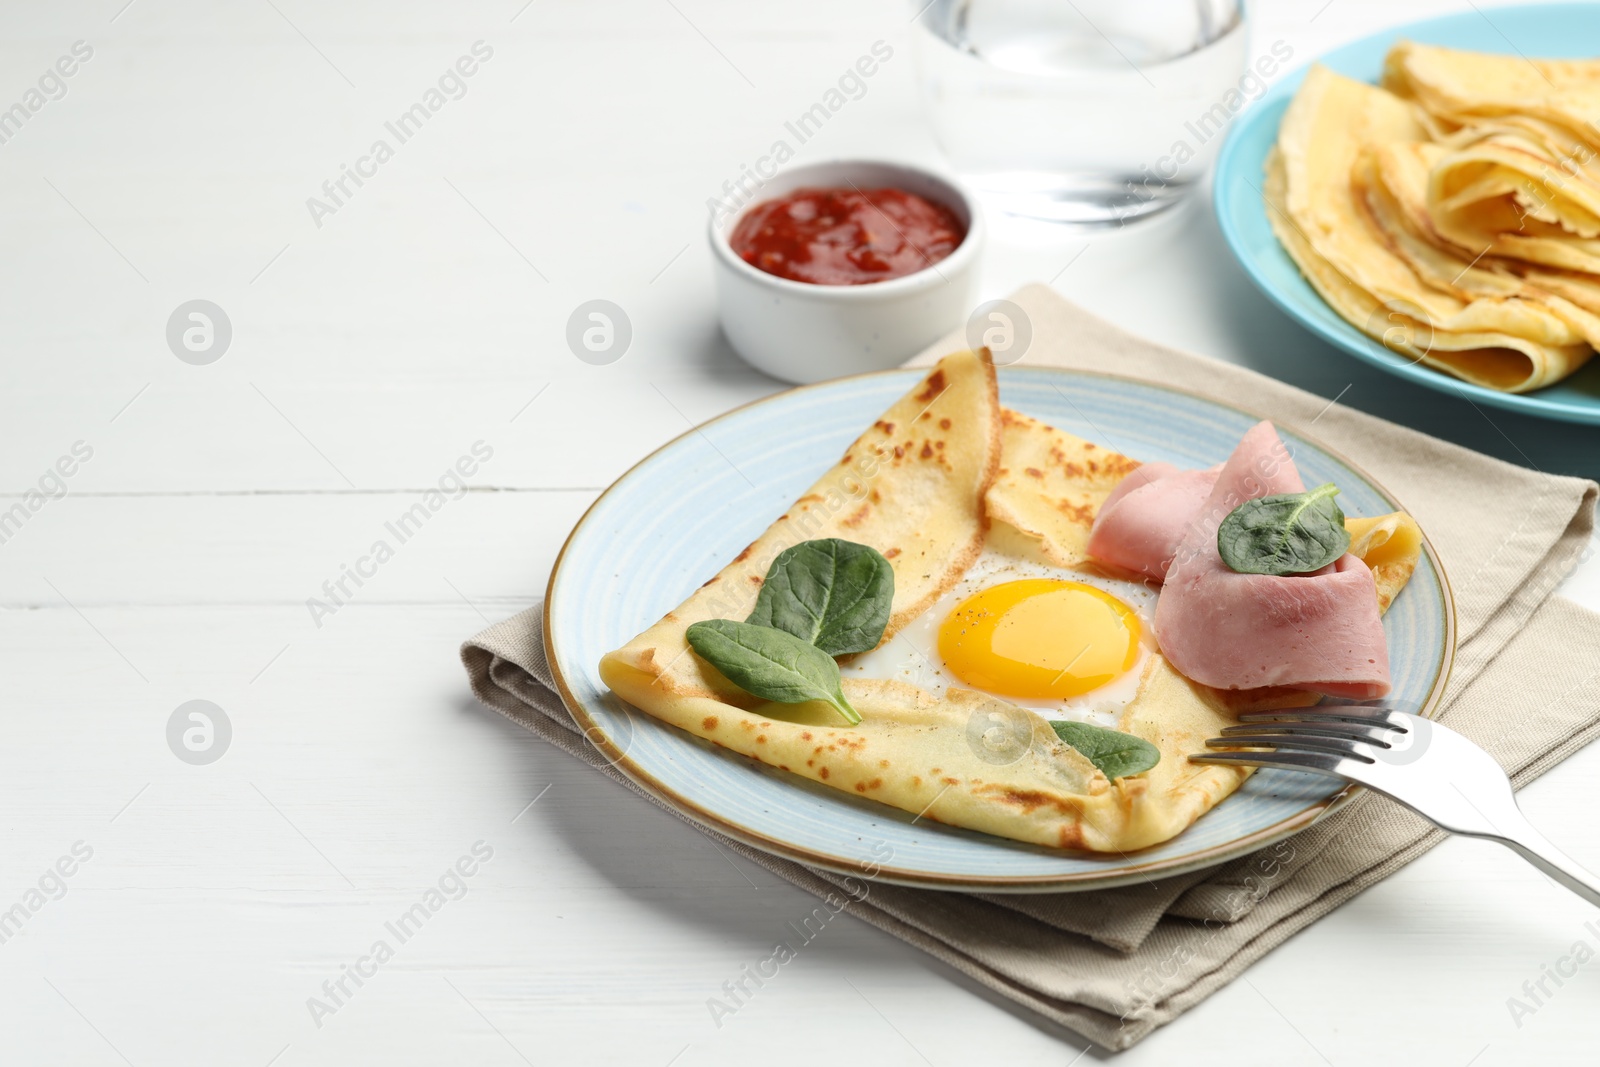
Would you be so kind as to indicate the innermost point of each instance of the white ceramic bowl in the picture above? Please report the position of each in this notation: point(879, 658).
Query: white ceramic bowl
point(802, 332)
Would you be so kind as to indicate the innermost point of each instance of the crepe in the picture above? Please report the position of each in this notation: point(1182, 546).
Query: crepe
point(1392, 182)
point(1509, 340)
point(912, 487)
point(947, 459)
point(1390, 546)
point(1554, 99)
point(1050, 485)
point(1522, 177)
point(1504, 196)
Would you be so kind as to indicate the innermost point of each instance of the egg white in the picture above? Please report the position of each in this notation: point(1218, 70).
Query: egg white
point(912, 655)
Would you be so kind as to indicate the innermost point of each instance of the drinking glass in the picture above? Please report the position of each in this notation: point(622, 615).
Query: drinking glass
point(1090, 113)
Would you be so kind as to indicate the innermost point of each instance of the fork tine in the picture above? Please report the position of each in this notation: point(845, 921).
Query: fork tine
point(1372, 735)
point(1354, 713)
point(1300, 761)
point(1334, 745)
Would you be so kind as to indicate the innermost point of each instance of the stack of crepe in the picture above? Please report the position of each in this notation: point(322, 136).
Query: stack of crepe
point(1454, 213)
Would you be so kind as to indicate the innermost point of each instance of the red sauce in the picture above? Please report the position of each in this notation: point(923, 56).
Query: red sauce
point(846, 236)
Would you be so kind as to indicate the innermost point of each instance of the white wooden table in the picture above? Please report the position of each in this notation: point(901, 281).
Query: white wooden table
point(371, 352)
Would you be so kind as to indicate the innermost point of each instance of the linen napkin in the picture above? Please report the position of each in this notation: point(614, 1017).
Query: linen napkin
point(1113, 965)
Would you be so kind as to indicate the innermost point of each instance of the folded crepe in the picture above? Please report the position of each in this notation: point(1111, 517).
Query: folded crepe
point(1553, 100)
point(1392, 180)
point(1521, 174)
point(1512, 340)
point(940, 476)
point(1506, 195)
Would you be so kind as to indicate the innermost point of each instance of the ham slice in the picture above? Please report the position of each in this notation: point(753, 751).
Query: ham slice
point(1320, 632)
point(1139, 526)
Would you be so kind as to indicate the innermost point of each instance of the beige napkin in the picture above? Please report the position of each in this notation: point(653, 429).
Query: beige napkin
point(1115, 964)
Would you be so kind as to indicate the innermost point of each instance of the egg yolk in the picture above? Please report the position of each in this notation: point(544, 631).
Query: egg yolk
point(1039, 638)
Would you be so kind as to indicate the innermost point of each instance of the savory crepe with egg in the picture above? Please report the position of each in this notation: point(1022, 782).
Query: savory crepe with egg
point(985, 517)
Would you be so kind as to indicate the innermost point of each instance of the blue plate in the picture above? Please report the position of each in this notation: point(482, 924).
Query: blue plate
point(677, 518)
point(1547, 30)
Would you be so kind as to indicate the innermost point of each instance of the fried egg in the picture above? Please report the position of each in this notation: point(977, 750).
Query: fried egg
point(1068, 644)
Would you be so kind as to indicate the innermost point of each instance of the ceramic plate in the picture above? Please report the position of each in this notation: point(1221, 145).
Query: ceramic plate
point(676, 518)
point(1548, 30)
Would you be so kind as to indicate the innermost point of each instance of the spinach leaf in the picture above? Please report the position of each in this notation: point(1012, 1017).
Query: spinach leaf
point(1116, 754)
point(830, 593)
point(1291, 533)
point(771, 664)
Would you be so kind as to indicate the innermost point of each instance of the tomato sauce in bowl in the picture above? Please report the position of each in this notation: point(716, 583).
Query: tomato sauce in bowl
point(846, 236)
point(844, 266)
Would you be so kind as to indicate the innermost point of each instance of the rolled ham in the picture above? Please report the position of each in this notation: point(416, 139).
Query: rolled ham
point(1320, 632)
point(1139, 526)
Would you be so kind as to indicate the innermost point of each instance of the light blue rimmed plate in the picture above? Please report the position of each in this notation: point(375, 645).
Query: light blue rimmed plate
point(1547, 30)
point(677, 518)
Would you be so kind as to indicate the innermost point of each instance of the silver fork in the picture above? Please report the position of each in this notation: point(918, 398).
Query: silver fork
point(1429, 768)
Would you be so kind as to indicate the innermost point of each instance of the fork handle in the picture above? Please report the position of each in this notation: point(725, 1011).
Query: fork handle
point(1537, 850)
